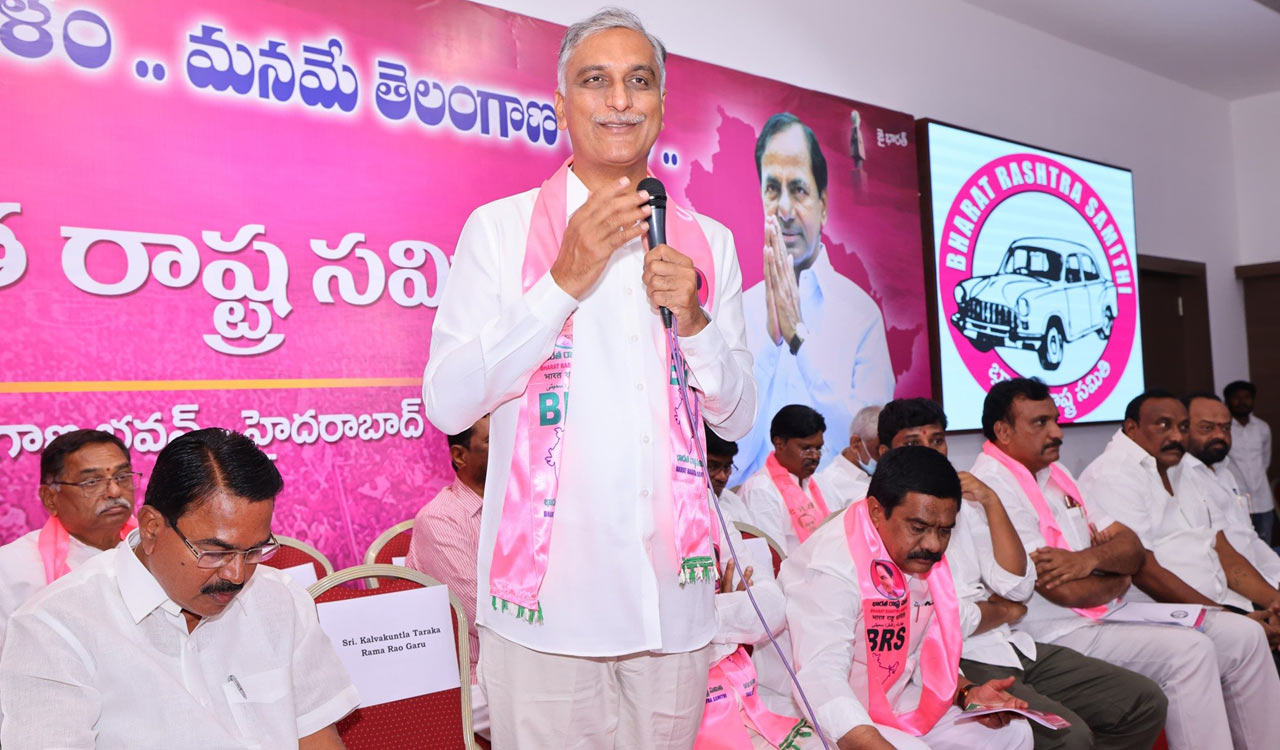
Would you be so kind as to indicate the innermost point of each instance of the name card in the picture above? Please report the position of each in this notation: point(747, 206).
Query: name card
point(398, 560)
point(395, 646)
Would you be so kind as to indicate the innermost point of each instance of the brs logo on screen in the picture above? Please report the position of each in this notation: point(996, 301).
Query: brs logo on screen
point(1055, 299)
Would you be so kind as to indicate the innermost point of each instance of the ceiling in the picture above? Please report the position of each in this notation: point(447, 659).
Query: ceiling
point(1229, 48)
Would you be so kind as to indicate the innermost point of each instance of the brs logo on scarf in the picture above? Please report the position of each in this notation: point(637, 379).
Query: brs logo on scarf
point(886, 639)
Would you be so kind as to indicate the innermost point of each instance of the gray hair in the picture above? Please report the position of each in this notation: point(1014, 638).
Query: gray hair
point(866, 423)
point(603, 20)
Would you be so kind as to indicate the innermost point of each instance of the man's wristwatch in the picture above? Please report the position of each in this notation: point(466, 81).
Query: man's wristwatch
point(962, 696)
point(797, 338)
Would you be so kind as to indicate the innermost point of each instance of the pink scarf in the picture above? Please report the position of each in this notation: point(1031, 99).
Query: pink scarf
point(54, 542)
point(807, 511)
point(528, 511)
point(887, 630)
point(732, 681)
point(1048, 524)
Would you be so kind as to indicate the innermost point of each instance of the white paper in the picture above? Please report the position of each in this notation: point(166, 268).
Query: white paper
point(398, 560)
point(395, 646)
point(304, 575)
point(1187, 615)
point(758, 555)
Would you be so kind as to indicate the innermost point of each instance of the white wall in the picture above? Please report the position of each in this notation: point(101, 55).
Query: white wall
point(961, 64)
point(1255, 126)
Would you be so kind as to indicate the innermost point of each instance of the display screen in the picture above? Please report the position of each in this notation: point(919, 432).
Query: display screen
point(1035, 259)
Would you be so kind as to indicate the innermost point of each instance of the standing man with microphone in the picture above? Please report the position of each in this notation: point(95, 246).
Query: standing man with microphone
point(596, 576)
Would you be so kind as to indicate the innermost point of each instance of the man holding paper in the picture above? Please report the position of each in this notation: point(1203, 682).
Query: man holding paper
point(1108, 707)
point(183, 640)
point(1217, 690)
point(883, 671)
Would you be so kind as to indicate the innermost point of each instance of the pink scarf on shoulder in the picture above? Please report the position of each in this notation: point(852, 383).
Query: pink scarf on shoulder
point(520, 553)
point(887, 629)
point(1049, 528)
point(807, 509)
point(54, 542)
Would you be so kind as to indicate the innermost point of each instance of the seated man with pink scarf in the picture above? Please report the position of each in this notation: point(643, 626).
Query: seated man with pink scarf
point(879, 662)
point(783, 497)
point(86, 484)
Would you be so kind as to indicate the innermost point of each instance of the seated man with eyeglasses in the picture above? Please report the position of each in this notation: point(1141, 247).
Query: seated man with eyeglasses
point(185, 619)
point(86, 484)
point(783, 497)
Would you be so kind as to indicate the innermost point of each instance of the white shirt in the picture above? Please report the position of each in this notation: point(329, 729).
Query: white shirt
point(612, 582)
point(1219, 485)
point(101, 658)
point(735, 511)
point(22, 571)
point(977, 576)
point(736, 620)
point(1251, 451)
point(1179, 529)
point(842, 366)
point(824, 619)
point(769, 510)
point(843, 480)
point(1045, 621)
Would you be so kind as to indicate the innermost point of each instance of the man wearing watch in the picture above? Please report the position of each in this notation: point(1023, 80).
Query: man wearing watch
point(818, 338)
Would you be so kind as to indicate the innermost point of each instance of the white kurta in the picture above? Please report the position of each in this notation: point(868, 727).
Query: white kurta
point(1251, 451)
point(22, 571)
point(842, 366)
point(102, 659)
point(1179, 529)
point(843, 480)
point(611, 585)
point(1220, 683)
point(825, 621)
point(1230, 502)
point(765, 503)
point(977, 576)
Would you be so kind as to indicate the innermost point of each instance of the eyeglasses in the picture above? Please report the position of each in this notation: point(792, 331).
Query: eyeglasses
point(219, 558)
point(715, 467)
point(97, 487)
point(810, 451)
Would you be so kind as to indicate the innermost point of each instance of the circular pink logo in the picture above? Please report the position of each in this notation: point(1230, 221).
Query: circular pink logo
point(1039, 297)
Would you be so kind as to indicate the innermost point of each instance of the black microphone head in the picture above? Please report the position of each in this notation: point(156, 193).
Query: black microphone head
point(657, 193)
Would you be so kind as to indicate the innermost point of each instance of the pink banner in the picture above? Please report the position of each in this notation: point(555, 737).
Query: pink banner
point(242, 213)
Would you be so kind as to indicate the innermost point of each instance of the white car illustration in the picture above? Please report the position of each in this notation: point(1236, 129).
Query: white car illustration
point(1047, 292)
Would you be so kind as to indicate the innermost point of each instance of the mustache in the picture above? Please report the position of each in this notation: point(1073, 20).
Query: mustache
point(113, 503)
point(921, 554)
point(1054, 443)
point(621, 118)
point(1173, 445)
point(222, 587)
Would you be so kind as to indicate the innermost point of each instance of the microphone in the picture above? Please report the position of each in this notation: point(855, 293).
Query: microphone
point(657, 224)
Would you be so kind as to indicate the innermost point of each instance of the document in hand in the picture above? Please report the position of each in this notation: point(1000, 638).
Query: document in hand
point(1052, 721)
point(1187, 615)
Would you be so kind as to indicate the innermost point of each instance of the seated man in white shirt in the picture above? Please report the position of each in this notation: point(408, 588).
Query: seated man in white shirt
point(1189, 556)
point(1209, 443)
point(232, 651)
point(720, 453)
point(847, 476)
point(735, 716)
point(783, 497)
point(446, 538)
point(86, 484)
point(1109, 707)
point(879, 662)
point(1220, 685)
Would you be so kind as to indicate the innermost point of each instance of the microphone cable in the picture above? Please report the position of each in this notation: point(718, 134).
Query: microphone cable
point(677, 362)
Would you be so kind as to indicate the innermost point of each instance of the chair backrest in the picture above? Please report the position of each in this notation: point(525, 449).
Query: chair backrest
point(775, 550)
point(392, 543)
point(294, 552)
point(442, 720)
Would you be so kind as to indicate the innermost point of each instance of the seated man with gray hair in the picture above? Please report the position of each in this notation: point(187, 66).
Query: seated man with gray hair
point(847, 476)
point(183, 640)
